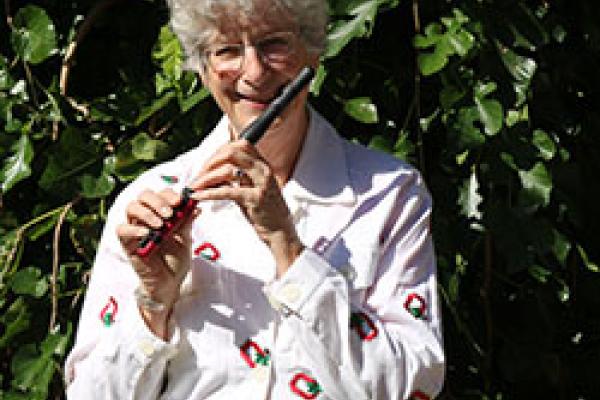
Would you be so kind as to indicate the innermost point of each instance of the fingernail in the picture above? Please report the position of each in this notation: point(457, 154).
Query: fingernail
point(166, 211)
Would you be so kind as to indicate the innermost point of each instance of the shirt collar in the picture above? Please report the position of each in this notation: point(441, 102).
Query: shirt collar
point(321, 172)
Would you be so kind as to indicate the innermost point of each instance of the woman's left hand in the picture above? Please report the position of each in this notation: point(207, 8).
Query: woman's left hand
point(237, 172)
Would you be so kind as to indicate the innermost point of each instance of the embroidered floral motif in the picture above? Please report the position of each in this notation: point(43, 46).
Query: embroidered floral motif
point(415, 305)
point(418, 395)
point(363, 325)
point(253, 354)
point(109, 312)
point(170, 178)
point(207, 251)
point(311, 387)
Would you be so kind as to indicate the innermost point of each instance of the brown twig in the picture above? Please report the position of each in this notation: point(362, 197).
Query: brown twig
point(7, 13)
point(68, 59)
point(417, 83)
point(55, 263)
point(162, 130)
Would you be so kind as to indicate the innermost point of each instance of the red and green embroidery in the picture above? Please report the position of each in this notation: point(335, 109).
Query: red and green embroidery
point(363, 325)
point(418, 395)
point(109, 312)
point(415, 305)
point(170, 178)
point(253, 354)
point(207, 251)
point(305, 386)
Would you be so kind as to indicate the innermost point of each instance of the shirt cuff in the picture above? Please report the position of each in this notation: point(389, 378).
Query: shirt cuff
point(292, 290)
point(142, 343)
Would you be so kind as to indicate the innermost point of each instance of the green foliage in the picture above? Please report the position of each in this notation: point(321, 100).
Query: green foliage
point(494, 101)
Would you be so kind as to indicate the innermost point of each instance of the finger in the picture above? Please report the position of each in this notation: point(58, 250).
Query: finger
point(221, 175)
point(241, 195)
point(141, 214)
point(130, 236)
point(161, 203)
point(240, 153)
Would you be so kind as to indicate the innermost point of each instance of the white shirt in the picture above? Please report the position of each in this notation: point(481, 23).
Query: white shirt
point(355, 317)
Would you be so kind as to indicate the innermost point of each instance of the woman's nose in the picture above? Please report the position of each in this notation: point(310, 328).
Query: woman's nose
point(253, 67)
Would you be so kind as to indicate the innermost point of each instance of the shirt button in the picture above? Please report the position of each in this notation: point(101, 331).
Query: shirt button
point(146, 347)
point(290, 292)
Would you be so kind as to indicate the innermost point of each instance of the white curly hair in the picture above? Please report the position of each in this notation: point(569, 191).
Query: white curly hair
point(195, 21)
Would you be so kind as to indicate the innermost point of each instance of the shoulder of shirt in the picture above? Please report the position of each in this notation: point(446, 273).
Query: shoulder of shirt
point(374, 168)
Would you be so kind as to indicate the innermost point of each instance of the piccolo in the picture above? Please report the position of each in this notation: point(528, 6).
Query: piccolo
point(252, 133)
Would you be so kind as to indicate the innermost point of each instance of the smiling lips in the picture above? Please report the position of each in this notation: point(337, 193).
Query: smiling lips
point(259, 102)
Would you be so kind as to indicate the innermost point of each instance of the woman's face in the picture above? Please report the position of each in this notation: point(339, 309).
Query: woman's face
point(271, 55)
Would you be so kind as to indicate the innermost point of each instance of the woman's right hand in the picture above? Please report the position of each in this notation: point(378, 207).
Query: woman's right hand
point(163, 270)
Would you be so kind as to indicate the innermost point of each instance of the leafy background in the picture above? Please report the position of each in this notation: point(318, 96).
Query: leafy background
point(495, 101)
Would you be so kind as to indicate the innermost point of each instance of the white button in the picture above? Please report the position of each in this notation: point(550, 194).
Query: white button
point(273, 301)
point(260, 373)
point(146, 347)
point(290, 292)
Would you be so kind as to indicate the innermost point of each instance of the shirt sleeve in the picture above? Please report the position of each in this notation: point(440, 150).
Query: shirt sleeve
point(115, 355)
point(381, 341)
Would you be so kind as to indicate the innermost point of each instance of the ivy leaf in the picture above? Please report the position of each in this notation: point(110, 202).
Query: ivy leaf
point(404, 147)
point(449, 95)
point(381, 142)
point(537, 185)
point(432, 35)
point(586, 261)
point(29, 281)
point(317, 82)
point(430, 63)
point(490, 114)
point(17, 167)
point(33, 37)
point(560, 247)
point(522, 70)
point(467, 134)
point(362, 109)
point(147, 149)
point(127, 167)
point(469, 197)
point(544, 144)
point(15, 320)
point(168, 54)
point(93, 187)
point(461, 42)
point(72, 156)
point(363, 15)
point(32, 371)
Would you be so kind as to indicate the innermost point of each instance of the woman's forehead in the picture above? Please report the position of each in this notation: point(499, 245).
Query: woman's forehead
point(235, 24)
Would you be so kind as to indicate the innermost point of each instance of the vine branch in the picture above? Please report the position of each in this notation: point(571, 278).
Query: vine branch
point(7, 13)
point(417, 83)
point(68, 58)
point(55, 263)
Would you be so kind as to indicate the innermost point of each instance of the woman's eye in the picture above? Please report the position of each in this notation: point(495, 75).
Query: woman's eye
point(275, 45)
point(227, 51)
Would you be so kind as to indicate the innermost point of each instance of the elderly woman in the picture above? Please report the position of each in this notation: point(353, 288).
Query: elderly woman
point(307, 269)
